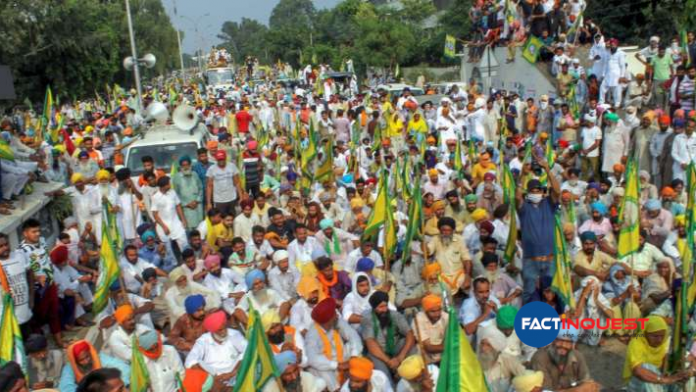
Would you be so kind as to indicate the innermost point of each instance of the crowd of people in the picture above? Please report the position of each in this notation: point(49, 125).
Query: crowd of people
point(247, 224)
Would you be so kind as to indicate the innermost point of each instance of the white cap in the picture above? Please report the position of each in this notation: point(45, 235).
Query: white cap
point(655, 39)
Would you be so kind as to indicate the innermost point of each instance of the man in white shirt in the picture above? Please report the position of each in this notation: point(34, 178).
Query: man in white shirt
point(120, 343)
point(614, 73)
point(301, 248)
point(223, 185)
point(132, 268)
point(168, 214)
point(281, 278)
point(71, 286)
point(366, 250)
point(219, 351)
point(591, 137)
point(364, 377)
point(86, 202)
point(479, 309)
point(162, 361)
point(260, 296)
point(228, 284)
point(684, 151)
point(245, 222)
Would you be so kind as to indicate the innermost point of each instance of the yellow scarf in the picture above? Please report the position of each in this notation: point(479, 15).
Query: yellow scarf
point(640, 351)
point(327, 347)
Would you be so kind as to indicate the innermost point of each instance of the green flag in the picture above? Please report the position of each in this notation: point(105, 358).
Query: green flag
point(532, 48)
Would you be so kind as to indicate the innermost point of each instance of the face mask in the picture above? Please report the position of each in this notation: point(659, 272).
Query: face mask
point(535, 198)
point(544, 105)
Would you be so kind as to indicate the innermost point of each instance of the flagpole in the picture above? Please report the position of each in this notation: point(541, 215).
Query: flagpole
point(420, 345)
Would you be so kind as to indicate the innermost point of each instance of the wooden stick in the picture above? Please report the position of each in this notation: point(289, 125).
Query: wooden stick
point(420, 344)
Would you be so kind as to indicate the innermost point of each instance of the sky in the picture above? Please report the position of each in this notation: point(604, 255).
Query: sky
point(209, 15)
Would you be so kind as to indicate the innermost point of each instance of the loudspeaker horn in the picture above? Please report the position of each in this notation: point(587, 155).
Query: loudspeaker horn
point(185, 117)
point(157, 112)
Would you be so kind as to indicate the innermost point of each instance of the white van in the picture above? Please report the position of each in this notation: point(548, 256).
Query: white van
point(165, 144)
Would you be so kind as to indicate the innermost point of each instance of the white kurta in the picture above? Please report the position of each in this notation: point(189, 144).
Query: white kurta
point(217, 358)
point(683, 152)
point(163, 371)
point(128, 217)
point(616, 142)
point(165, 205)
point(614, 67)
point(87, 207)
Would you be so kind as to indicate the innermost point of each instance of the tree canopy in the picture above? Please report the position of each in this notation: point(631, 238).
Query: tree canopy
point(77, 46)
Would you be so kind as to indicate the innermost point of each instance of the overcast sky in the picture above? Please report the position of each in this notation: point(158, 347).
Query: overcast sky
point(209, 16)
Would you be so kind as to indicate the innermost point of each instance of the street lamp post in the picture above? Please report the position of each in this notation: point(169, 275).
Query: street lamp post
point(134, 53)
point(181, 52)
point(195, 26)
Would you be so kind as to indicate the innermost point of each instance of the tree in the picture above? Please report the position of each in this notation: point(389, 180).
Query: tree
point(246, 38)
point(77, 46)
point(383, 42)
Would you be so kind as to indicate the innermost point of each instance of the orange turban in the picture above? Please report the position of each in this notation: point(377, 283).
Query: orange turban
point(619, 168)
point(431, 302)
point(430, 270)
point(361, 368)
point(668, 191)
point(123, 313)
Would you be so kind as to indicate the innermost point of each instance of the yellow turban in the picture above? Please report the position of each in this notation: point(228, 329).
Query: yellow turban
point(433, 172)
point(308, 285)
point(103, 175)
point(431, 302)
point(60, 148)
point(361, 368)
point(269, 318)
point(411, 367)
point(430, 270)
point(78, 142)
point(123, 313)
point(479, 214)
point(528, 380)
point(357, 202)
point(679, 220)
point(438, 205)
point(76, 177)
point(89, 129)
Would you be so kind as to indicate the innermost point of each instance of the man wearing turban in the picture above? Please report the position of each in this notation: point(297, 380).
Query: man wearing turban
point(337, 243)
point(189, 326)
point(451, 252)
point(413, 375)
point(86, 202)
point(181, 289)
point(219, 351)
point(282, 337)
point(162, 361)
point(261, 297)
point(82, 358)
point(362, 376)
point(330, 342)
point(309, 290)
point(292, 377)
point(387, 335)
point(189, 188)
point(120, 343)
point(71, 287)
point(432, 324)
point(498, 367)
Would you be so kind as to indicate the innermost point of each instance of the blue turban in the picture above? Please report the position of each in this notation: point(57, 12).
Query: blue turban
point(252, 276)
point(653, 205)
point(593, 185)
point(570, 332)
point(116, 286)
point(326, 223)
point(599, 207)
point(291, 176)
point(347, 178)
point(285, 359)
point(588, 236)
point(185, 158)
point(193, 303)
point(678, 209)
point(365, 264)
point(147, 235)
point(148, 339)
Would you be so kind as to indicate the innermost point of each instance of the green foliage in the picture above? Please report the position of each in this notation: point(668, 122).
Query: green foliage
point(77, 46)
point(236, 37)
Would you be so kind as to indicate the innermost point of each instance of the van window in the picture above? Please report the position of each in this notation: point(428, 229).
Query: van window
point(163, 154)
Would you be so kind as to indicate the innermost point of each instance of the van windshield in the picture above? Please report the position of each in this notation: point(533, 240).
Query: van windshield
point(163, 154)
